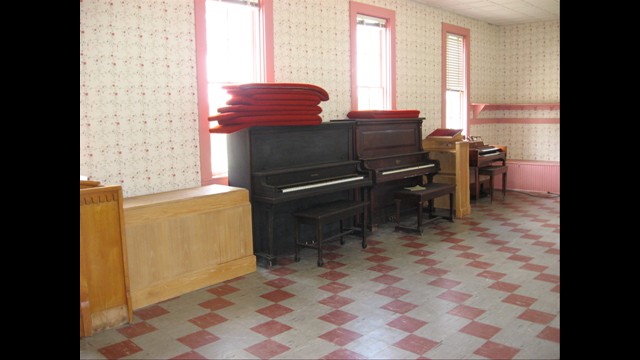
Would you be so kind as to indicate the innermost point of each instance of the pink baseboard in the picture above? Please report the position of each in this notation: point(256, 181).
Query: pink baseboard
point(482, 121)
point(531, 175)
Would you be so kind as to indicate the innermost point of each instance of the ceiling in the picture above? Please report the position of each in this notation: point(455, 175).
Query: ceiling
point(501, 12)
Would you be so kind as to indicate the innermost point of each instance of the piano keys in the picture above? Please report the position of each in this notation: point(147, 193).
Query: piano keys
point(292, 168)
point(392, 150)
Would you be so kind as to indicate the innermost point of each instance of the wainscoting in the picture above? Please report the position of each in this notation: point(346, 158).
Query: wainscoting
point(531, 175)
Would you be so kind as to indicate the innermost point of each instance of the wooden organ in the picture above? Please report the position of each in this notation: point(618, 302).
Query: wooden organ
point(449, 148)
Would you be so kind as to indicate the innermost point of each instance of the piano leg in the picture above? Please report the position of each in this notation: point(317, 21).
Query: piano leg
point(319, 240)
point(420, 214)
point(504, 184)
point(269, 257)
point(363, 228)
point(296, 237)
point(476, 175)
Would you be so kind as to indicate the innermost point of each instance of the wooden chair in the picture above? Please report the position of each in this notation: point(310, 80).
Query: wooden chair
point(492, 171)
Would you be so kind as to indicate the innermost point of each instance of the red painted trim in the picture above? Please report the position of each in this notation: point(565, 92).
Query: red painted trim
point(266, 7)
point(529, 106)
point(514, 121)
point(466, 34)
point(203, 101)
point(356, 8)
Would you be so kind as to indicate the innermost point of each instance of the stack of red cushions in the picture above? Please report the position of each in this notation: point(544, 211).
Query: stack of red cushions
point(383, 114)
point(269, 104)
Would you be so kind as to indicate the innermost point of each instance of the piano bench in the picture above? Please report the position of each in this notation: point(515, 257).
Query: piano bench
point(328, 213)
point(419, 197)
point(491, 171)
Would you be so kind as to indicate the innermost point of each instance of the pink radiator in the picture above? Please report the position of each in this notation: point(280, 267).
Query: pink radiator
point(528, 175)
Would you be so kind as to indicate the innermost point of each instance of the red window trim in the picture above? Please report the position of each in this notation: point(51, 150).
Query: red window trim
point(356, 8)
point(266, 6)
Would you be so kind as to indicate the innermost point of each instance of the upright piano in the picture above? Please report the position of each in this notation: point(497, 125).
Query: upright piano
point(392, 150)
point(481, 155)
point(291, 168)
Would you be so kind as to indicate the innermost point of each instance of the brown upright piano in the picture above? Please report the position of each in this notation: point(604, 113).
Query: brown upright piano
point(392, 150)
point(481, 155)
point(291, 168)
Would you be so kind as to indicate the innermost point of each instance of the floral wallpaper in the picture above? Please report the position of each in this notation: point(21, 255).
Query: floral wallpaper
point(529, 72)
point(529, 58)
point(312, 45)
point(138, 101)
point(138, 105)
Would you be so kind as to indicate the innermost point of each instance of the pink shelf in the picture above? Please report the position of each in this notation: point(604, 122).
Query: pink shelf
point(478, 107)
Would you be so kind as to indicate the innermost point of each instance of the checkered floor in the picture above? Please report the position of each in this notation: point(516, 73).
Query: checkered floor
point(485, 286)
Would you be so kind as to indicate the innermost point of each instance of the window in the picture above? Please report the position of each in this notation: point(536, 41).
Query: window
point(455, 77)
point(372, 57)
point(231, 47)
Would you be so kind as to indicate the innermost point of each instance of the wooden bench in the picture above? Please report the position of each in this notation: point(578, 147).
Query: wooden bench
point(492, 171)
point(419, 197)
point(325, 214)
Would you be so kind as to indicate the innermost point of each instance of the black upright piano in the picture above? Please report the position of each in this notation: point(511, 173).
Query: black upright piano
point(291, 168)
point(392, 150)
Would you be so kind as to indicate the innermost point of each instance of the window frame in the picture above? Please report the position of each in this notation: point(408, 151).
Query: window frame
point(266, 33)
point(466, 35)
point(356, 8)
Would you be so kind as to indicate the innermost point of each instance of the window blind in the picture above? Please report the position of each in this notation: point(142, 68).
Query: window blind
point(455, 62)
point(370, 21)
point(241, 2)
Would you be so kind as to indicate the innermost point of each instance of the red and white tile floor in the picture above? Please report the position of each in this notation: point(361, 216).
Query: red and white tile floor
point(485, 286)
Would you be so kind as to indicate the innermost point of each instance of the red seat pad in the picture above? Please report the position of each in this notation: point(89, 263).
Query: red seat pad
point(287, 100)
point(228, 129)
point(322, 93)
point(258, 109)
point(382, 114)
point(269, 118)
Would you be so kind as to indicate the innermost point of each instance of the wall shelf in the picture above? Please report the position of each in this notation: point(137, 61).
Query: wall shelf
point(478, 107)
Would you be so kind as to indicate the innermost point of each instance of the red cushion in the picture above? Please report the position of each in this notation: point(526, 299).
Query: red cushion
point(322, 93)
point(382, 114)
point(269, 118)
point(228, 129)
point(286, 100)
point(312, 110)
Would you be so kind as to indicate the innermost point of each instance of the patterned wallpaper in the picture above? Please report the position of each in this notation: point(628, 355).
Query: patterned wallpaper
point(303, 56)
point(529, 72)
point(138, 104)
point(529, 57)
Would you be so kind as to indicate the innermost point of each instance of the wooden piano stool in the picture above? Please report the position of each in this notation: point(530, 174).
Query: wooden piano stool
point(328, 213)
point(419, 197)
point(492, 171)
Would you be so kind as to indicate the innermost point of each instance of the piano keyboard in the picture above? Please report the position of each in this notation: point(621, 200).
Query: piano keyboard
point(481, 151)
point(320, 184)
point(491, 154)
point(406, 169)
